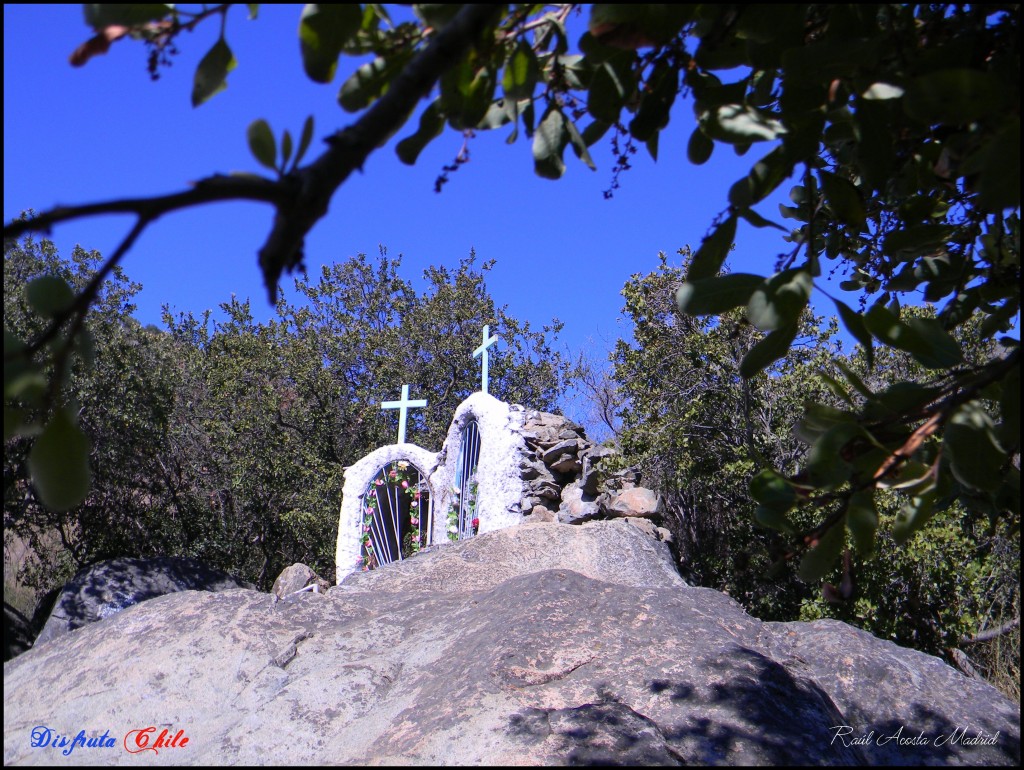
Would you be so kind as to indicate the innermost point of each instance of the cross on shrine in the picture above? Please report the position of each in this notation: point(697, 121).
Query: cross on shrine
point(403, 406)
point(482, 351)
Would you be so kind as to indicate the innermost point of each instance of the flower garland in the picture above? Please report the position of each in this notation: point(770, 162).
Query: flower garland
point(399, 477)
point(470, 508)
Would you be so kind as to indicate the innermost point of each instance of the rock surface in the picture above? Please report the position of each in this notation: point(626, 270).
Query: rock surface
point(536, 644)
point(17, 632)
point(108, 587)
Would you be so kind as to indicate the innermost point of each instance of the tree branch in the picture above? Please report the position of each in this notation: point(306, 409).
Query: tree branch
point(991, 633)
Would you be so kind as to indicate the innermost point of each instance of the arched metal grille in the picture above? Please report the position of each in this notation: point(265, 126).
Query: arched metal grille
point(463, 522)
point(396, 515)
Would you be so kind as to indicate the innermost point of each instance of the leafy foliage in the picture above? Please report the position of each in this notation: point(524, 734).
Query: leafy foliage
point(702, 434)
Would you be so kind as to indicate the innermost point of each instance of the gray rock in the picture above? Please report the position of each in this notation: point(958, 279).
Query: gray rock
point(591, 461)
point(577, 506)
point(536, 644)
point(562, 449)
point(540, 515)
point(108, 587)
point(627, 478)
point(635, 501)
point(295, 578)
point(17, 632)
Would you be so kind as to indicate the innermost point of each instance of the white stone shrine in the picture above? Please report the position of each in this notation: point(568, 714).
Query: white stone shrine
point(499, 465)
point(472, 485)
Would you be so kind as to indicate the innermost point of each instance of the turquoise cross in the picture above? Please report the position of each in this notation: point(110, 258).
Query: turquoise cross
point(482, 351)
point(403, 406)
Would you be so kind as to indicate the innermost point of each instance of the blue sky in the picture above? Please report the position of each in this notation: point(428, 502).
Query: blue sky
point(77, 135)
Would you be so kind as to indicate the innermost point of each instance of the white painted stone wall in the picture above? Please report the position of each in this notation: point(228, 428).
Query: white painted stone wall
point(357, 479)
point(499, 479)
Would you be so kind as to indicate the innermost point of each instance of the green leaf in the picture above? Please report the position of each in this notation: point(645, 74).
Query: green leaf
point(817, 419)
point(549, 141)
point(854, 323)
point(85, 347)
point(286, 148)
point(914, 514)
point(923, 338)
point(323, 32)
point(49, 296)
point(825, 466)
point(882, 91)
point(467, 92)
point(773, 518)
point(594, 132)
point(212, 72)
point(823, 556)
point(763, 179)
point(916, 240)
point(59, 463)
point(844, 199)
point(759, 221)
point(771, 348)
point(369, 82)
point(579, 146)
point(610, 86)
point(658, 97)
point(262, 144)
point(699, 148)
point(711, 296)
point(521, 72)
point(862, 520)
point(740, 124)
point(1009, 406)
point(304, 140)
point(431, 125)
point(712, 252)
point(101, 15)
point(772, 491)
point(779, 300)
point(956, 96)
point(999, 176)
point(970, 442)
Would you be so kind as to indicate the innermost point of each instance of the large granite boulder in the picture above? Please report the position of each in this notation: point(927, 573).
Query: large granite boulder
point(536, 644)
point(107, 587)
point(17, 632)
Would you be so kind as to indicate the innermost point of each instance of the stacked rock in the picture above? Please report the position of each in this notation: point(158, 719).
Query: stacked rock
point(563, 478)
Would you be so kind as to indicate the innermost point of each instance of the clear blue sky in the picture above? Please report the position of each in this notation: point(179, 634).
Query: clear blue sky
point(77, 135)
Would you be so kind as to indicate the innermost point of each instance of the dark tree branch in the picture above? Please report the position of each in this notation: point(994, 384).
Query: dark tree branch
point(991, 633)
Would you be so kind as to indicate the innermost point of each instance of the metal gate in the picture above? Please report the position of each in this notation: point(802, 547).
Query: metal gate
point(396, 515)
point(463, 521)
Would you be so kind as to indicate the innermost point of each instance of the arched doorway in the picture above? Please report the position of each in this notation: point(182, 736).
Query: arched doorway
point(396, 515)
point(463, 520)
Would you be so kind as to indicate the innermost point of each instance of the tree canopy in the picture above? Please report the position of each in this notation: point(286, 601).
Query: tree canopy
point(899, 125)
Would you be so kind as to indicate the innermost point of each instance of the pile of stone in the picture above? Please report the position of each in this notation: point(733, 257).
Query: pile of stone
point(566, 478)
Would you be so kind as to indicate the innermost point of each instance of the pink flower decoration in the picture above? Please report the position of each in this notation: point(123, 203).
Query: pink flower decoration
point(379, 482)
point(414, 522)
point(476, 523)
point(405, 485)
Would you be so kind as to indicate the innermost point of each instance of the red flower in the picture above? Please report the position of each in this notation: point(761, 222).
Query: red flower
point(476, 523)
